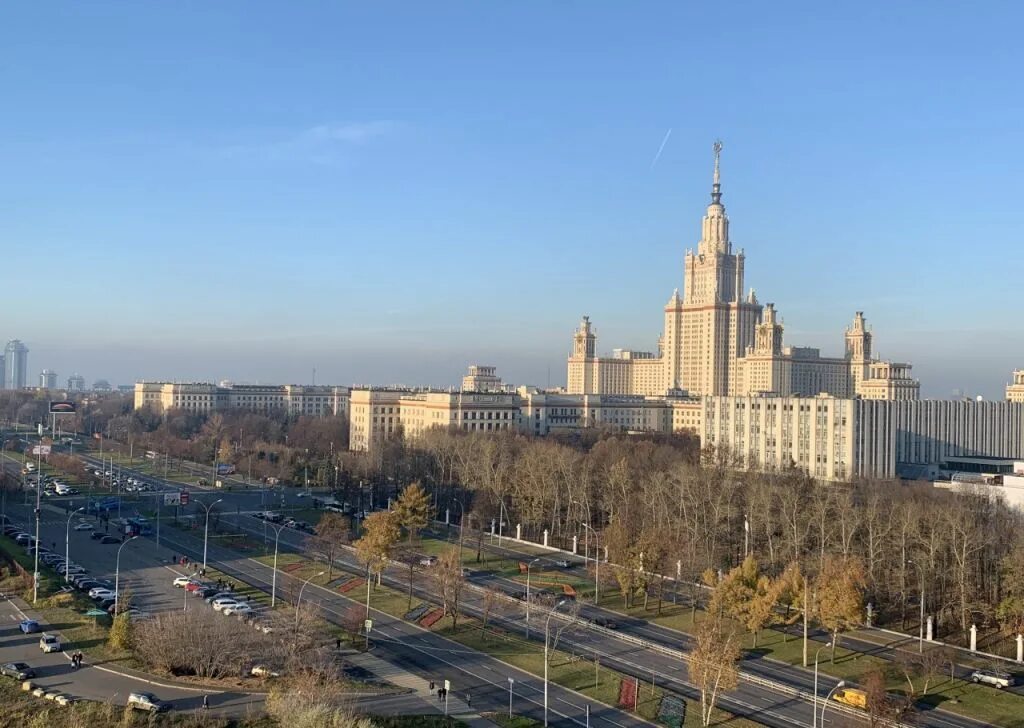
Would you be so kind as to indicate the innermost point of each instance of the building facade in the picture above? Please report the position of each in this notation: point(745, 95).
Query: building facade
point(718, 340)
point(15, 365)
point(76, 383)
point(482, 379)
point(1015, 390)
point(47, 379)
point(833, 438)
point(379, 413)
point(202, 397)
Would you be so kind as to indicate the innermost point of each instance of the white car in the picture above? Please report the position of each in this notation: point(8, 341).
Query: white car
point(49, 643)
point(240, 609)
point(83, 526)
point(100, 592)
point(183, 581)
point(219, 604)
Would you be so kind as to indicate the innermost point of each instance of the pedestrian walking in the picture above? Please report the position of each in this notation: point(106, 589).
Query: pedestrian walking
point(440, 694)
point(431, 686)
point(206, 702)
point(469, 700)
point(337, 643)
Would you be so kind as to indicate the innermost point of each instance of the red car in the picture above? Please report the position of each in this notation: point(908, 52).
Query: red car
point(195, 586)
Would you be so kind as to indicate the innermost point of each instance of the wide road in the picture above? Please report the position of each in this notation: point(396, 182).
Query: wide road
point(427, 654)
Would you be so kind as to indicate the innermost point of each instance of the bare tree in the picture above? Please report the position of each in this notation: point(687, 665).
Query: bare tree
point(714, 663)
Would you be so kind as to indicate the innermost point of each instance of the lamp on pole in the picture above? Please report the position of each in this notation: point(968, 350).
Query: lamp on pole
point(547, 624)
point(67, 543)
point(273, 581)
point(117, 573)
point(814, 708)
point(39, 507)
point(462, 524)
point(920, 627)
point(839, 685)
point(597, 563)
point(299, 599)
point(206, 528)
point(528, 565)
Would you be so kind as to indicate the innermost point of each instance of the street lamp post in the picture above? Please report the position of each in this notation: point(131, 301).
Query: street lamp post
point(67, 543)
point(117, 573)
point(814, 708)
point(462, 524)
point(839, 685)
point(547, 624)
point(528, 565)
point(273, 582)
point(39, 507)
point(511, 682)
point(597, 563)
point(299, 599)
point(206, 528)
point(920, 627)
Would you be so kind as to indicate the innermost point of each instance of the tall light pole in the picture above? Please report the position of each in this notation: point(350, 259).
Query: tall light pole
point(528, 565)
point(67, 543)
point(117, 573)
point(920, 627)
point(299, 599)
point(273, 583)
point(462, 524)
point(39, 508)
point(597, 563)
point(206, 528)
point(839, 685)
point(547, 624)
point(814, 707)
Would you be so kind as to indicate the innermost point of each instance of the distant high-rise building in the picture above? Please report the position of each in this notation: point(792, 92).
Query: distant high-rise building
point(48, 379)
point(76, 383)
point(101, 385)
point(3, 359)
point(15, 365)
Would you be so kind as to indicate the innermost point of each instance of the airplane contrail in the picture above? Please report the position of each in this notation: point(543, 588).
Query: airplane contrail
point(661, 148)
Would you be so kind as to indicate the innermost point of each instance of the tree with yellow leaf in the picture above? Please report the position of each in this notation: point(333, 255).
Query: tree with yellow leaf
point(840, 596)
point(380, 534)
point(412, 509)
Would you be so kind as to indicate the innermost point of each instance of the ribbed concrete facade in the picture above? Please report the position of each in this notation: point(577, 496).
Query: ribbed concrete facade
point(926, 432)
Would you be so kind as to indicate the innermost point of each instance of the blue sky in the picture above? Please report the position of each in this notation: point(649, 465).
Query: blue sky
point(390, 191)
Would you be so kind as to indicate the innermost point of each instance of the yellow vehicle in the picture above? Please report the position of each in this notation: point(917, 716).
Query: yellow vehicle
point(852, 696)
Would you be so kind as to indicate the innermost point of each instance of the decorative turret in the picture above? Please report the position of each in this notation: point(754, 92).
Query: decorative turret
point(858, 339)
point(584, 342)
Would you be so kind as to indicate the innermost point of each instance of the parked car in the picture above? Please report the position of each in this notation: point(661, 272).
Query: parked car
point(606, 623)
point(110, 539)
point(83, 526)
point(196, 586)
point(183, 581)
point(562, 563)
point(995, 678)
point(96, 535)
point(228, 594)
point(221, 602)
point(29, 626)
point(148, 702)
point(206, 591)
point(240, 609)
point(17, 670)
point(100, 592)
point(49, 643)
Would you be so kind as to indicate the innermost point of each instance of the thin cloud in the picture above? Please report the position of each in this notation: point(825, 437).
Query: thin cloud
point(321, 144)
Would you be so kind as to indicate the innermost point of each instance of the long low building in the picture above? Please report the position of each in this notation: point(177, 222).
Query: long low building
point(833, 438)
point(203, 397)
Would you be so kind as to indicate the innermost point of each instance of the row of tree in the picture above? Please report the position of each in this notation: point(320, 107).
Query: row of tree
point(657, 505)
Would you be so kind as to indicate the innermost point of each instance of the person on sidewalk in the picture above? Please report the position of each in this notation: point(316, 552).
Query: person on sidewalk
point(469, 701)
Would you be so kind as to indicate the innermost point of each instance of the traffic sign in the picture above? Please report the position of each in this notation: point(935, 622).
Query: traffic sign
point(447, 685)
point(183, 497)
point(368, 624)
point(172, 499)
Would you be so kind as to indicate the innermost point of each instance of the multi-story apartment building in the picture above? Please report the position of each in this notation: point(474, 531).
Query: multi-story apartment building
point(47, 379)
point(293, 399)
point(1015, 390)
point(76, 383)
point(15, 365)
point(835, 438)
point(378, 413)
point(718, 340)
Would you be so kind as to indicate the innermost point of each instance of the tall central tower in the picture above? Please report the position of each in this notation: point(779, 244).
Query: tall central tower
point(711, 325)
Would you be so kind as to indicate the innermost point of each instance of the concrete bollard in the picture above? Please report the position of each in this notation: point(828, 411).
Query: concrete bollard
point(447, 516)
point(575, 544)
point(974, 638)
point(545, 537)
point(1020, 648)
point(519, 532)
point(928, 630)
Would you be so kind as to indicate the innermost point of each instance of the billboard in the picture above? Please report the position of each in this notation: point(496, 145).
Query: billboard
point(225, 469)
point(172, 499)
point(40, 449)
point(62, 407)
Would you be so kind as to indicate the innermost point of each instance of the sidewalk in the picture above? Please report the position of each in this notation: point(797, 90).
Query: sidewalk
point(403, 678)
